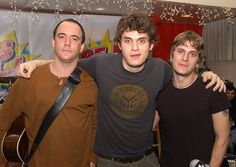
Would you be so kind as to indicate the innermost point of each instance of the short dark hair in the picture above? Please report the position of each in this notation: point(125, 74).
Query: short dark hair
point(73, 21)
point(136, 22)
point(195, 40)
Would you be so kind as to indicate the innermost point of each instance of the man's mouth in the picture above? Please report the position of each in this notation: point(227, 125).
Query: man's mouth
point(65, 50)
point(135, 55)
point(183, 65)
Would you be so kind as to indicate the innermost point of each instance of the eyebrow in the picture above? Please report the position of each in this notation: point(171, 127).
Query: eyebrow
point(71, 35)
point(195, 51)
point(125, 37)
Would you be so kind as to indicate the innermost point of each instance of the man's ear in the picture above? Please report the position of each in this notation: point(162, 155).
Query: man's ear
point(53, 43)
point(170, 61)
point(151, 46)
point(82, 47)
point(171, 57)
point(119, 46)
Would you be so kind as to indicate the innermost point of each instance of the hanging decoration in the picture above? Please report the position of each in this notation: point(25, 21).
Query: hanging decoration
point(37, 6)
point(14, 13)
point(168, 10)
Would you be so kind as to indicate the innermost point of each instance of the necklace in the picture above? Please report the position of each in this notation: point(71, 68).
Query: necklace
point(185, 86)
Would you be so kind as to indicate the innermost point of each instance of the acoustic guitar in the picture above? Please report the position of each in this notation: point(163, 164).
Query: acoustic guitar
point(15, 142)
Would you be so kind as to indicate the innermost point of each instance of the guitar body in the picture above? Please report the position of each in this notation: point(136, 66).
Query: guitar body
point(15, 142)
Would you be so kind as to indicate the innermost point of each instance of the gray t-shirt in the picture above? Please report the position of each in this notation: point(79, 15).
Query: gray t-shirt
point(126, 103)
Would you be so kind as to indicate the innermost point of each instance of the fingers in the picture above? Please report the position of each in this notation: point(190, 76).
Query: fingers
point(24, 71)
point(215, 81)
point(211, 83)
point(28, 72)
point(206, 77)
point(209, 75)
point(220, 86)
point(19, 71)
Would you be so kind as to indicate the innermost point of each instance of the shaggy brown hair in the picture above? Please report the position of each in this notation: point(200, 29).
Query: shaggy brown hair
point(136, 22)
point(188, 36)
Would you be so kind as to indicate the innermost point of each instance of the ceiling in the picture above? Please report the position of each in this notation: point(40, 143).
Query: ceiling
point(177, 11)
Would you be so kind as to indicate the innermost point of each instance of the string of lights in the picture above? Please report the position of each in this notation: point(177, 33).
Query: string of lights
point(14, 13)
point(168, 11)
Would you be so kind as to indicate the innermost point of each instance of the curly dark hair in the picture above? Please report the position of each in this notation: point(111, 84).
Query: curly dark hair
point(136, 22)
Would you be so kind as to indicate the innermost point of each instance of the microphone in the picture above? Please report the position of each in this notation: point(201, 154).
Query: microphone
point(198, 163)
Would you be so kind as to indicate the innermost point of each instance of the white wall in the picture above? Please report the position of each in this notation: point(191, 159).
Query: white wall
point(225, 69)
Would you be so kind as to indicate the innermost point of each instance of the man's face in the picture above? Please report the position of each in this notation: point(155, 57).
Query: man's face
point(185, 59)
point(230, 94)
point(135, 48)
point(67, 43)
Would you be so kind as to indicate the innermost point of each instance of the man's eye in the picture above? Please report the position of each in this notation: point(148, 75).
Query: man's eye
point(193, 54)
point(127, 40)
point(142, 41)
point(61, 37)
point(75, 39)
point(179, 51)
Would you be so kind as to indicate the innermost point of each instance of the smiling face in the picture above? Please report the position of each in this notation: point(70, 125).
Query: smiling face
point(67, 43)
point(135, 48)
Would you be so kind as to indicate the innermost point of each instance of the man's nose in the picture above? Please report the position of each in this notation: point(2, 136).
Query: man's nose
point(134, 46)
point(185, 56)
point(67, 41)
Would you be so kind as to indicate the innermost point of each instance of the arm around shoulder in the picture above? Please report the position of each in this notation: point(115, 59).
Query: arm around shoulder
point(214, 81)
point(25, 69)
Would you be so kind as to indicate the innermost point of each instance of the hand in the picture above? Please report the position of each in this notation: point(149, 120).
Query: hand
point(25, 69)
point(92, 164)
point(215, 79)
